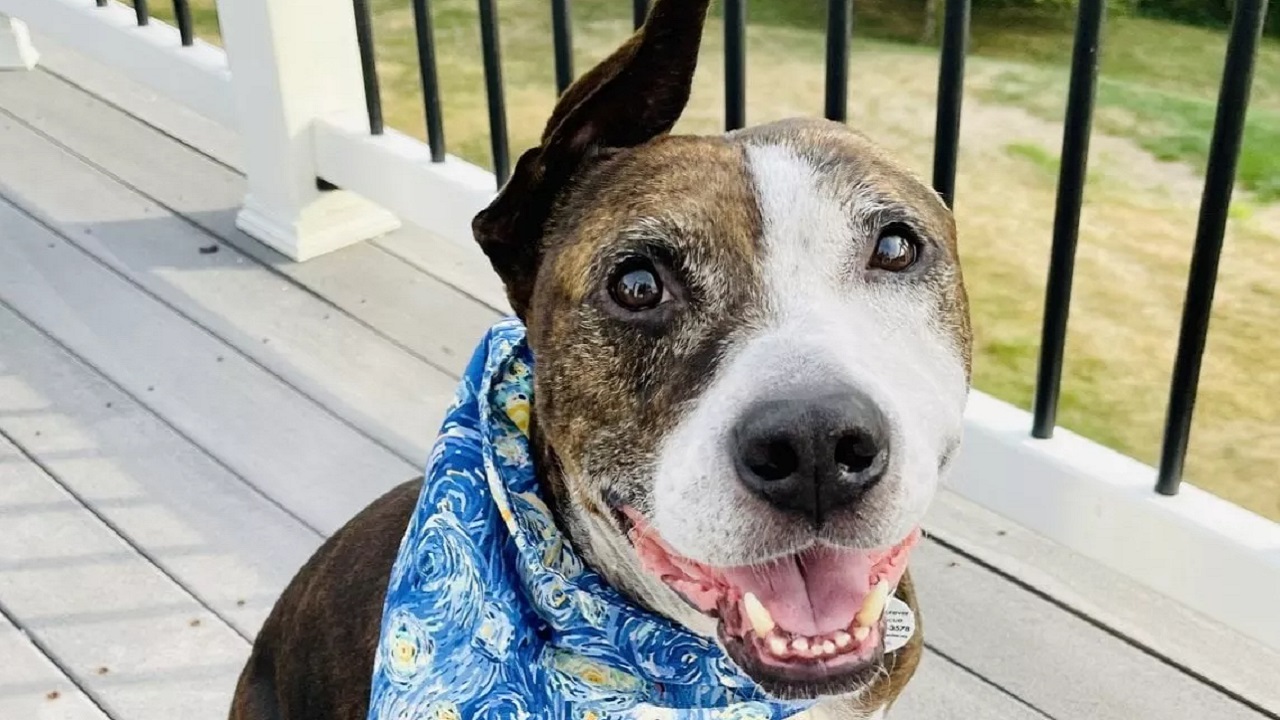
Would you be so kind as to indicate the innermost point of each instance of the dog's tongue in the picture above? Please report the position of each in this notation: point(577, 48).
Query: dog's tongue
point(813, 593)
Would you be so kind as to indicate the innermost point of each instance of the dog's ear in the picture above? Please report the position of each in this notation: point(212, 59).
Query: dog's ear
point(635, 95)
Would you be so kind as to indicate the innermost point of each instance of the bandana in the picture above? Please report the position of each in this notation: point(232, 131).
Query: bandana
point(490, 613)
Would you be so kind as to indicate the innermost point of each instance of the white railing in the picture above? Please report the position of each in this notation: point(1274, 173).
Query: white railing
point(290, 84)
point(16, 50)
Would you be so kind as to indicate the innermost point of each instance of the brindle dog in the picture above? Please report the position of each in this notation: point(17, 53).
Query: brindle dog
point(752, 351)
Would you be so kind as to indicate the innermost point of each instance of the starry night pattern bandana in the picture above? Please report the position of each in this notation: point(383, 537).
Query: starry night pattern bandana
point(490, 613)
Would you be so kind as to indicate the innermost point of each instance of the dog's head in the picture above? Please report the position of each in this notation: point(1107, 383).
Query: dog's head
point(752, 359)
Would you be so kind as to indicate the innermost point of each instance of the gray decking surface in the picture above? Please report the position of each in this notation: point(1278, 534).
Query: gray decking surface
point(179, 429)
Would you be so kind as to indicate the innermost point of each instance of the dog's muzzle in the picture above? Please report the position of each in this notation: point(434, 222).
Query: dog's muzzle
point(812, 455)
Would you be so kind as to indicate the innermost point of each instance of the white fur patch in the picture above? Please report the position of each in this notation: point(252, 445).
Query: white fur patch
point(824, 319)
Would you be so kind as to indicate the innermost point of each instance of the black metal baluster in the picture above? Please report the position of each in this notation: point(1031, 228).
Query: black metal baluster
point(1224, 152)
point(946, 136)
point(430, 78)
point(735, 64)
point(493, 86)
point(182, 13)
point(368, 66)
point(102, 3)
point(639, 11)
point(141, 13)
point(1066, 223)
point(839, 37)
point(562, 34)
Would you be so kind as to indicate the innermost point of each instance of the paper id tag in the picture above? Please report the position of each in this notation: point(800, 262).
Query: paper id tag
point(899, 624)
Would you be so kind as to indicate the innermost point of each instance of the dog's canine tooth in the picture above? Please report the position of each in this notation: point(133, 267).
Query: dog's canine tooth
point(873, 608)
point(761, 621)
point(861, 633)
point(777, 645)
point(842, 639)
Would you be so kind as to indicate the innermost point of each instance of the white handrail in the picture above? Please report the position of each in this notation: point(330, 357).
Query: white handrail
point(195, 76)
point(293, 63)
point(16, 50)
point(299, 62)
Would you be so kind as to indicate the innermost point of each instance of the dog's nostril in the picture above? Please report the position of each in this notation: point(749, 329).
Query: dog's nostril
point(772, 460)
point(811, 455)
point(856, 452)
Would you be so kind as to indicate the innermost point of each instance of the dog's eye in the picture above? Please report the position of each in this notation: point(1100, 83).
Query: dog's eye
point(636, 286)
point(896, 250)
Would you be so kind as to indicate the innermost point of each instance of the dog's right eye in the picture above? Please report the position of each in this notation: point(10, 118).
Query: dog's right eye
point(635, 286)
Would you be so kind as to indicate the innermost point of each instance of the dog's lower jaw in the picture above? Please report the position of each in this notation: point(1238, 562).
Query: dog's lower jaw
point(602, 544)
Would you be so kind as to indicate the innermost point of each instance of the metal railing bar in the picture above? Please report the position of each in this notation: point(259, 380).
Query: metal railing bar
point(141, 12)
point(1224, 154)
point(1066, 223)
point(735, 64)
point(182, 13)
point(946, 136)
point(562, 35)
point(430, 78)
point(368, 66)
point(494, 89)
point(839, 37)
point(639, 11)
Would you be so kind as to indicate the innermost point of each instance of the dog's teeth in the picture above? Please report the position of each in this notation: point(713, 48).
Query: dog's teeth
point(777, 645)
point(800, 645)
point(861, 633)
point(843, 639)
point(828, 647)
point(761, 621)
point(873, 608)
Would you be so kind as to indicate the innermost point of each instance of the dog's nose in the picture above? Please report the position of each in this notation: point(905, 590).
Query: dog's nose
point(812, 456)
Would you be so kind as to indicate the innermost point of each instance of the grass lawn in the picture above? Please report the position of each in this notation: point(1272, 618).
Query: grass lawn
point(1158, 87)
point(1155, 111)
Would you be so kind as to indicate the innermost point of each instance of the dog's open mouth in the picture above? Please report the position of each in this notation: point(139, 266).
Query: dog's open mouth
point(809, 618)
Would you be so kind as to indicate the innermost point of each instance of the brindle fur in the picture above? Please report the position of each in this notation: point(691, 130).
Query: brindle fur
point(605, 180)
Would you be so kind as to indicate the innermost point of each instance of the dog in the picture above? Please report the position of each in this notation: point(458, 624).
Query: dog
point(753, 356)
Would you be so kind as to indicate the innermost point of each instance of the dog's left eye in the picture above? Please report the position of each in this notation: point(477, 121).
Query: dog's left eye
point(636, 286)
point(896, 249)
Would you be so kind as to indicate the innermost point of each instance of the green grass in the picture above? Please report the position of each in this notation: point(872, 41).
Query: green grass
point(1172, 127)
point(1034, 154)
point(1158, 80)
point(1156, 98)
point(1158, 86)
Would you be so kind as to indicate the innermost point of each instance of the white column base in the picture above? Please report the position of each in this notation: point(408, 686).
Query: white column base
point(16, 50)
point(335, 220)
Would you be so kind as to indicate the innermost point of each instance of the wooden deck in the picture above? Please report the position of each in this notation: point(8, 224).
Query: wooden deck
point(184, 415)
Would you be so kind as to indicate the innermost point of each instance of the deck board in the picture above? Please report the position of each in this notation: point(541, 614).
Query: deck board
point(134, 639)
point(31, 685)
point(379, 288)
point(942, 690)
point(318, 349)
point(264, 430)
point(1053, 660)
point(113, 303)
point(207, 527)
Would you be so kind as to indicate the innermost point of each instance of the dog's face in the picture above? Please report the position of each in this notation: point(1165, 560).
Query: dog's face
point(752, 362)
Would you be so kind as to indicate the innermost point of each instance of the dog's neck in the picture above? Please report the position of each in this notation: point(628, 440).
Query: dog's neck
point(581, 520)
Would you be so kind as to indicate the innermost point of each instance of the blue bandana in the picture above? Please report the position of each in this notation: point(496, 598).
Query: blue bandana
point(490, 613)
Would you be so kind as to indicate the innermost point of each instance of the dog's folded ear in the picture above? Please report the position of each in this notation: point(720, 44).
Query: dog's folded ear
point(635, 95)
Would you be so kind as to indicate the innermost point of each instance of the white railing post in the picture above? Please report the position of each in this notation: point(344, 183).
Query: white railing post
point(16, 50)
point(292, 63)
